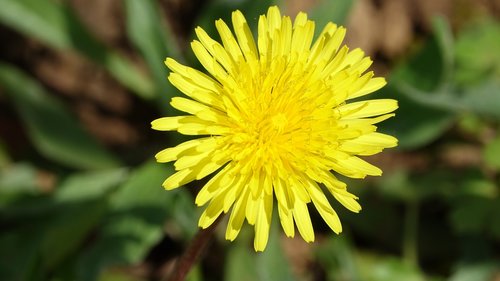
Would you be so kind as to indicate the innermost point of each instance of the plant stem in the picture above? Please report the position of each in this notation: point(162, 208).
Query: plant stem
point(193, 252)
point(410, 254)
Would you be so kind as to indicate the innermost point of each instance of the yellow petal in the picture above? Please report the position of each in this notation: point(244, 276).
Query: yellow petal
point(213, 211)
point(286, 219)
point(172, 153)
point(303, 33)
point(263, 222)
point(221, 180)
point(228, 40)
point(168, 123)
point(244, 36)
point(368, 141)
point(353, 57)
point(187, 105)
point(286, 201)
point(237, 217)
point(197, 78)
point(324, 208)
point(373, 85)
point(332, 44)
point(273, 18)
point(192, 90)
point(234, 191)
point(303, 221)
point(348, 201)
point(192, 125)
point(368, 108)
point(208, 61)
point(298, 189)
point(189, 161)
point(252, 209)
point(177, 179)
point(333, 67)
point(263, 41)
point(207, 168)
point(323, 38)
point(353, 166)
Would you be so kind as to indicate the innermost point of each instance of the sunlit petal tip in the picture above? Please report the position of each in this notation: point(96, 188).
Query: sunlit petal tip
point(382, 82)
point(178, 179)
point(308, 239)
point(161, 158)
point(338, 230)
point(231, 234)
point(203, 224)
point(238, 16)
point(260, 243)
point(167, 123)
point(169, 185)
point(167, 61)
point(274, 10)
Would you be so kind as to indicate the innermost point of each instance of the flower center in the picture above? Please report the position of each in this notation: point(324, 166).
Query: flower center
point(279, 122)
point(286, 114)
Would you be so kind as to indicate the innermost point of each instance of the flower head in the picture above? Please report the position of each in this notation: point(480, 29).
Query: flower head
point(276, 123)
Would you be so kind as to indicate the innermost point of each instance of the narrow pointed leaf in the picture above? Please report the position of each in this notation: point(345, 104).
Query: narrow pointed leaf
point(55, 24)
point(53, 130)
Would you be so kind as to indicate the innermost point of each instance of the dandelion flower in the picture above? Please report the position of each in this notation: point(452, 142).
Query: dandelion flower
point(275, 121)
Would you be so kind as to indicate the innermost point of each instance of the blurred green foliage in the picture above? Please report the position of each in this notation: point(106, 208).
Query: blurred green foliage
point(107, 213)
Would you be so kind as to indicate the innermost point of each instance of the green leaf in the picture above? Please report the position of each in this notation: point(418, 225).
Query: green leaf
point(482, 99)
point(52, 128)
point(337, 258)
point(149, 35)
point(54, 24)
point(19, 252)
point(139, 209)
point(240, 262)
point(400, 185)
point(427, 79)
point(195, 274)
point(374, 267)
point(478, 271)
point(330, 11)
point(115, 275)
point(422, 85)
point(18, 178)
point(68, 231)
point(474, 183)
point(427, 69)
point(185, 214)
point(82, 203)
point(341, 262)
point(495, 214)
point(477, 53)
point(89, 186)
point(4, 155)
point(430, 69)
point(67, 218)
point(415, 124)
point(272, 264)
point(471, 214)
point(244, 264)
point(472, 124)
point(491, 153)
point(478, 99)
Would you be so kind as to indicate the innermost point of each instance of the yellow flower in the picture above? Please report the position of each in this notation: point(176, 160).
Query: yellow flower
point(275, 122)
